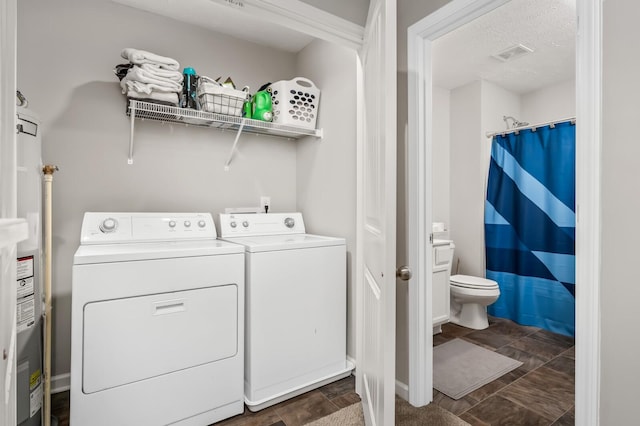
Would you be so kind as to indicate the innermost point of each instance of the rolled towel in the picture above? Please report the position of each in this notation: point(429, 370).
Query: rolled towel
point(170, 98)
point(140, 57)
point(142, 76)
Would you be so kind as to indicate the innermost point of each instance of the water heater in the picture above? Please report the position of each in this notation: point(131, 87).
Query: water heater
point(29, 272)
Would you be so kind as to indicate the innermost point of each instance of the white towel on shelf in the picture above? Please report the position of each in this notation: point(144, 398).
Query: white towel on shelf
point(139, 75)
point(147, 88)
point(156, 71)
point(171, 98)
point(140, 57)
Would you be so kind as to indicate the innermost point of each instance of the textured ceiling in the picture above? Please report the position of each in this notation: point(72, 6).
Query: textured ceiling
point(546, 26)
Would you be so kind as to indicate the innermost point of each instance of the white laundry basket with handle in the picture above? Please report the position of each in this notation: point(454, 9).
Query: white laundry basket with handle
point(295, 102)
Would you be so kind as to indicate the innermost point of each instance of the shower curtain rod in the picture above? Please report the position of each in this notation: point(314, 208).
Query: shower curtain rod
point(532, 126)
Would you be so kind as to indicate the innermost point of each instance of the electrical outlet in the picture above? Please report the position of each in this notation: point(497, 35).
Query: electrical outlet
point(265, 203)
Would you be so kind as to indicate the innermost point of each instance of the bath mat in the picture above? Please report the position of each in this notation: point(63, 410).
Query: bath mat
point(406, 415)
point(460, 367)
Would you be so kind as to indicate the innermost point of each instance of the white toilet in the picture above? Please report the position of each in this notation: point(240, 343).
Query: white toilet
point(470, 297)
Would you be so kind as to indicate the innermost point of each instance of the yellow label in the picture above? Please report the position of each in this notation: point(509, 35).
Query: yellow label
point(34, 380)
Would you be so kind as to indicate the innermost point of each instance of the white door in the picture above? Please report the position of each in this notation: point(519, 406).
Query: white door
point(377, 215)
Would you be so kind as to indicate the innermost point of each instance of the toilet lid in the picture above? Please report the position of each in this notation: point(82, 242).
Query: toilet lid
point(469, 281)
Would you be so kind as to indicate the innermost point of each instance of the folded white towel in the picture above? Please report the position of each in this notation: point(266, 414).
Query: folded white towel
point(140, 57)
point(156, 71)
point(140, 75)
point(171, 98)
point(147, 88)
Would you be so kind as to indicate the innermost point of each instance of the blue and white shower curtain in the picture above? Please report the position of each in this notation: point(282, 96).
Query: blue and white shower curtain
point(530, 227)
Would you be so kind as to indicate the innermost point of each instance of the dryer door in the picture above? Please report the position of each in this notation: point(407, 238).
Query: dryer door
point(135, 338)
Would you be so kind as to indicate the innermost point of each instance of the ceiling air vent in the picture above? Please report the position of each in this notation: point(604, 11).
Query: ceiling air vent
point(512, 52)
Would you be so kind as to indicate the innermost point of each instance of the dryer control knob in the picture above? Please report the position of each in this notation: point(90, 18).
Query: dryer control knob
point(245, 224)
point(202, 223)
point(108, 225)
point(289, 222)
point(232, 224)
point(187, 223)
point(172, 224)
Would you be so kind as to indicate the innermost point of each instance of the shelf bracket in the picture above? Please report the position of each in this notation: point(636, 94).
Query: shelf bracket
point(133, 120)
point(233, 148)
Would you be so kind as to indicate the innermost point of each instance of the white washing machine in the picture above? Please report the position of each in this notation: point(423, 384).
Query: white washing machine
point(157, 321)
point(295, 311)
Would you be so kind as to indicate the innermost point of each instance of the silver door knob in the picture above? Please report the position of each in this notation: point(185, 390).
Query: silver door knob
point(404, 273)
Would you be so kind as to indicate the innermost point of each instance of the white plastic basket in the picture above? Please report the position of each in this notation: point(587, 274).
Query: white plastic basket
point(295, 102)
point(219, 99)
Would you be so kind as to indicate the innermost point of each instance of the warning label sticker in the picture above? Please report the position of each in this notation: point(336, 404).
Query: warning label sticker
point(25, 267)
point(34, 380)
point(26, 313)
point(25, 287)
point(35, 401)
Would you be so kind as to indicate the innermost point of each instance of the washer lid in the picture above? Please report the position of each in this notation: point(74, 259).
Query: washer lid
point(469, 281)
point(105, 253)
point(285, 242)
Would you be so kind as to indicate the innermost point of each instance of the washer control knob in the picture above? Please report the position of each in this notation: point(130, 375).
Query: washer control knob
point(187, 223)
point(289, 222)
point(233, 224)
point(172, 224)
point(109, 225)
point(245, 224)
point(202, 223)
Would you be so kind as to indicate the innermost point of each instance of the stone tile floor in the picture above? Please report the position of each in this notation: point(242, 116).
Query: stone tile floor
point(540, 392)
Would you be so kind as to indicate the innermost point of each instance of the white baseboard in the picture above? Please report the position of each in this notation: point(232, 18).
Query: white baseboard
point(60, 383)
point(352, 361)
point(402, 390)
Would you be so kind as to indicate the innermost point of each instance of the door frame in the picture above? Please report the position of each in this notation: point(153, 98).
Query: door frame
point(588, 132)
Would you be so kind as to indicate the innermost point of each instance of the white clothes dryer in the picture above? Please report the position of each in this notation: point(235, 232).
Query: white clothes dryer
point(295, 311)
point(157, 321)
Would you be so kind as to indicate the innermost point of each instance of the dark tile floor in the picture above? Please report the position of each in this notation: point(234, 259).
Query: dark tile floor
point(540, 392)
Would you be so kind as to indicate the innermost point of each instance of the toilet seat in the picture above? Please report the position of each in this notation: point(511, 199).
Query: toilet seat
point(468, 281)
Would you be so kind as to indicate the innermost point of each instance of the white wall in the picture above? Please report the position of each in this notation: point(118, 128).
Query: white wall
point(620, 346)
point(465, 174)
point(326, 173)
point(352, 10)
point(67, 50)
point(549, 103)
point(441, 156)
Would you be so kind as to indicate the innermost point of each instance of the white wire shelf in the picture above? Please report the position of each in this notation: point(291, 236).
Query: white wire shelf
point(169, 114)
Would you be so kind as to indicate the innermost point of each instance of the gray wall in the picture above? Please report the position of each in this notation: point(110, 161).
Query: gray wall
point(620, 346)
point(67, 50)
point(326, 172)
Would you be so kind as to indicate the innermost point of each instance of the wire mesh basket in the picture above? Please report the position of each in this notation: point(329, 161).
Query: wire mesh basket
point(219, 99)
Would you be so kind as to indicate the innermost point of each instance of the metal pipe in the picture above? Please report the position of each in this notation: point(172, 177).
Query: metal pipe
point(48, 171)
point(532, 127)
